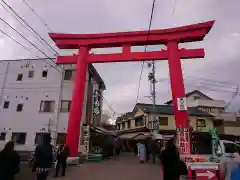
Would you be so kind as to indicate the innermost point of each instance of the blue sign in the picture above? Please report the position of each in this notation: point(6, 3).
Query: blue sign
point(156, 123)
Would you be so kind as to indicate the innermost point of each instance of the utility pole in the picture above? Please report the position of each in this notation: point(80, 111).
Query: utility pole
point(152, 79)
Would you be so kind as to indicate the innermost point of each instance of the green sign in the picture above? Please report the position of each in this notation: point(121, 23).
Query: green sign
point(215, 140)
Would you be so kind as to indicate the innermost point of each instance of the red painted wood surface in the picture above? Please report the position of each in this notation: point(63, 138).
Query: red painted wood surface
point(84, 42)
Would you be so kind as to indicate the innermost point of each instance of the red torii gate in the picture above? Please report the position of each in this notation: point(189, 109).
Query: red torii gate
point(170, 37)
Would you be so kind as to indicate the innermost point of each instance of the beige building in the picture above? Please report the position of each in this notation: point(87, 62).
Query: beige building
point(141, 119)
point(224, 122)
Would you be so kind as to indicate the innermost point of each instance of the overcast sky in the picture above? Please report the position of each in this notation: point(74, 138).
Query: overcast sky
point(217, 74)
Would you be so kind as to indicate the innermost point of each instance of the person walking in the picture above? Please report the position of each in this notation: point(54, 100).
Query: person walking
point(155, 150)
point(142, 152)
point(118, 146)
point(62, 155)
point(9, 162)
point(44, 157)
point(148, 148)
point(170, 160)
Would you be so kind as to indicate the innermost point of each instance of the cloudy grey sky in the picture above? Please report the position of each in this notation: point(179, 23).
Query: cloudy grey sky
point(217, 74)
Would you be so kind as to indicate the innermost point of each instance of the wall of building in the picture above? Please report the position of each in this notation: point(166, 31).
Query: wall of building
point(29, 92)
point(232, 130)
point(193, 122)
point(171, 125)
point(204, 101)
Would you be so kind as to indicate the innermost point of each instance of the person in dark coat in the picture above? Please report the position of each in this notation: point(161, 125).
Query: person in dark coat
point(9, 162)
point(170, 160)
point(44, 157)
point(117, 146)
point(135, 149)
point(148, 148)
point(62, 155)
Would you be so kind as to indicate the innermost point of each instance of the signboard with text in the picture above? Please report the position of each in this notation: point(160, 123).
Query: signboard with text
point(182, 104)
point(206, 174)
point(183, 140)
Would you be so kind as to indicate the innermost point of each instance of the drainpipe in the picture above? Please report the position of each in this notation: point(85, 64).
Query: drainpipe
point(59, 107)
point(4, 82)
point(6, 129)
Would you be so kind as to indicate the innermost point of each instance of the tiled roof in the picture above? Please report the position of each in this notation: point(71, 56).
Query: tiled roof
point(168, 109)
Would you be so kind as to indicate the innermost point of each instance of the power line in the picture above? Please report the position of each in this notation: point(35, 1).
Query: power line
point(26, 39)
point(29, 26)
point(212, 80)
point(109, 106)
point(205, 81)
point(234, 96)
point(27, 48)
point(39, 17)
point(174, 7)
point(149, 28)
point(15, 41)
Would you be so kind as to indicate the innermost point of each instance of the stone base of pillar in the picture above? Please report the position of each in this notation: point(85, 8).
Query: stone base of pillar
point(76, 160)
point(73, 160)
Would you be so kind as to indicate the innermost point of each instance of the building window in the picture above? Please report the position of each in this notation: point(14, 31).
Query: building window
point(65, 106)
point(47, 106)
point(19, 77)
point(44, 73)
point(61, 138)
point(201, 123)
point(19, 138)
point(129, 124)
point(2, 136)
point(196, 97)
point(118, 126)
point(30, 74)
point(39, 137)
point(6, 104)
point(19, 107)
point(68, 75)
point(163, 121)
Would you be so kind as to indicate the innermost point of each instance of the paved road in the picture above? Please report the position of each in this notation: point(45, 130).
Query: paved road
point(125, 167)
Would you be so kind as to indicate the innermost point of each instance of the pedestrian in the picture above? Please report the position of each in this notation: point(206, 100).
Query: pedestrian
point(44, 157)
point(142, 151)
point(170, 160)
point(117, 146)
point(9, 162)
point(62, 155)
point(155, 150)
point(135, 148)
point(148, 149)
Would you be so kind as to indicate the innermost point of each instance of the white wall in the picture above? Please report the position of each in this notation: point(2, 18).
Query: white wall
point(31, 92)
point(191, 102)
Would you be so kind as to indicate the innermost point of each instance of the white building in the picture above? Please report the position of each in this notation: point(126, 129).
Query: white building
point(35, 98)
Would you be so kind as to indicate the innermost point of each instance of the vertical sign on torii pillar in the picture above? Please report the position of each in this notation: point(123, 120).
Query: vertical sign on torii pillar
point(170, 37)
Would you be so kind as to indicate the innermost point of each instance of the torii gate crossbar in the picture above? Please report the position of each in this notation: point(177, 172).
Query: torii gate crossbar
point(169, 37)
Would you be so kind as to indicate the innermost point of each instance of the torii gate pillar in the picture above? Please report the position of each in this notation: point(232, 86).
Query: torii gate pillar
point(170, 37)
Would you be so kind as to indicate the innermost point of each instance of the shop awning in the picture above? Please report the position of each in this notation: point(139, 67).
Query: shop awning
point(167, 137)
point(142, 136)
point(103, 131)
point(128, 135)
